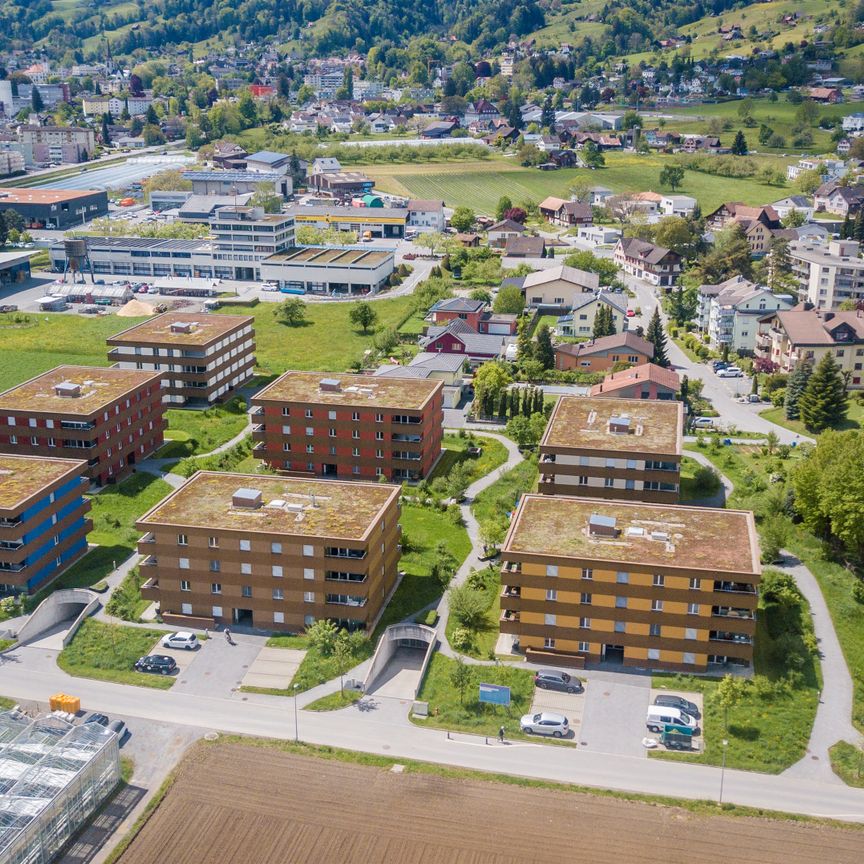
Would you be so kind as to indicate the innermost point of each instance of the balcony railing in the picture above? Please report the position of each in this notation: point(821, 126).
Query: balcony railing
point(149, 561)
point(149, 537)
point(11, 544)
point(10, 523)
point(409, 439)
point(734, 587)
point(509, 616)
point(729, 612)
point(339, 552)
point(8, 567)
point(723, 636)
point(346, 600)
point(509, 591)
point(511, 567)
point(341, 576)
point(257, 411)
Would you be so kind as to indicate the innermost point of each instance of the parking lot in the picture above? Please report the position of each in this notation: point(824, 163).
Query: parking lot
point(571, 705)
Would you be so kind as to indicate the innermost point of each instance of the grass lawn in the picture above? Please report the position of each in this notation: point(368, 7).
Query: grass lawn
point(496, 502)
point(854, 418)
point(455, 451)
point(6, 704)
point(126, 601)
point(688, 483)
point(447, 712)
point(335, 701)
point(109, 651)
point(6, 643)
point(422, 530)
point(484, 637)
point(328, 341)
point(196, 432)
point(847, 760)
point(36, 342)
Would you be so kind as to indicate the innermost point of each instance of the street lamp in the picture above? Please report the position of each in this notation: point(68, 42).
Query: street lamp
point(296, 733)
point(722, 771)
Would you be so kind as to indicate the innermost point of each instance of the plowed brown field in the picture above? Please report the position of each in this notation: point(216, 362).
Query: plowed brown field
point(234, 804)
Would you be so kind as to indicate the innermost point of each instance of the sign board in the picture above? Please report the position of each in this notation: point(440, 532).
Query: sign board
point(495, 694)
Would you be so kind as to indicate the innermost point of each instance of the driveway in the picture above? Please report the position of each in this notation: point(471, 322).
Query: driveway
point(614, 716)
point(400, 678)
point(216, 668)
point(274, 668)
point(571, 705)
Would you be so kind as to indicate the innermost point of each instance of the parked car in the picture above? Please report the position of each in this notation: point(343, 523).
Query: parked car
point(182, 639)
point(269, 286)
point(718, 364)
point(703, 423)
point(101, 719)
point(545, 723)
point(661, 716)
point(631, 313)
point(679, 702)
point(118, 727)
point(730, 372)
point(8, 307)
point(158, 664)
point(552, 679)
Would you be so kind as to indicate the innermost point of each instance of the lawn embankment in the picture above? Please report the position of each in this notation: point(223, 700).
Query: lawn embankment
point(192, 433)
point(495, 503)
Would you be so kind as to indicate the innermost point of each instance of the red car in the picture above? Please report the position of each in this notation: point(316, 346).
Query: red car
point(631, 313)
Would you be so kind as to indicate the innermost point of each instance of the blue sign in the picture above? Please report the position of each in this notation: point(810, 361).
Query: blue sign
point(495, 694)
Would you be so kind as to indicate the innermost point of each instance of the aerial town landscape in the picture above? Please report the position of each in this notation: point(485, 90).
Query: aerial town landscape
point(431, 432)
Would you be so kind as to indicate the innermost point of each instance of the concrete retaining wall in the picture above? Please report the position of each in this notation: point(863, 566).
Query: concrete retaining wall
point(69, 604)
point(389, 644)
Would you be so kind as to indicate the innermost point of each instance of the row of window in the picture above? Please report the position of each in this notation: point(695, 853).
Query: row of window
point(688, 657)
point(355, 416)
point(216, 612)
point(622, 577)
point(550, 620)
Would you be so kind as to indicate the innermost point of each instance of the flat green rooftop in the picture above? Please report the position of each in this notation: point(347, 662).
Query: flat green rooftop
point(181, 328)
point(25, 477)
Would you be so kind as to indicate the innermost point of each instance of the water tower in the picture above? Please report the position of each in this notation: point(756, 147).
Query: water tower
point(77, 260)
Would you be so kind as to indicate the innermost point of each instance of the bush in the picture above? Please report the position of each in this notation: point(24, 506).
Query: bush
point(778, 397)
point(126, 599)
point(858, 591)
point(461, 639)
point(468, 606)
point(430, 619)
point(706, 480)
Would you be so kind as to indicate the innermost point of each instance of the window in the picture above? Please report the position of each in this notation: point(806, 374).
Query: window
point(308, 412)
point(52, 442)
point(310, 448)
point(548, 643)
point(331, 415)
point(622, 578)
point(355, 469)
point(276, 548)
point(611, 463)
point(310, 431)
point(689, 658)
point(653, 653)
point(551, 594)
point(585, 623)
point(308, 551)
point(278, 617)
point(276, 570)
point(379, 418)
point(308, 596)
point(13, 439)
point(355, 433)
point(184, 585)
point(379, 436)
point(582, 480)
point(654, 630)
point(551, 569)
point(286, 412)
point(215, 566)
point(549, 619)
point(695, 584)
point(656, 605)
point(692, 608)
point(183, 563)
point(690, 633)
point(215, 587)
point(216, 611)
point(659, 580)
point(608, 482)
point(620, 602)
point(379, 454)
point(332, 432)
point(631, 463)
point(355, 416)
point(308, 573)
point(620, 627)
point(213, 542)
point(584, 646)
point(286, 430)
point(182, 540)
point(245, 545)
point(355, 451)
point(585, 598)
point(186, 608)
point(587, 573)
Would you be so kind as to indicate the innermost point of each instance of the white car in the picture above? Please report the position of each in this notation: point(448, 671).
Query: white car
point(545, 723)
point(182, 639)
point(730, 372)
point(269, 286)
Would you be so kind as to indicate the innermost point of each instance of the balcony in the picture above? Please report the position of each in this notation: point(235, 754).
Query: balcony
point(510, 592)
point(149, 561)
point(78, 445)
point(341, 576)
point(257, 411)
point(511, 567)
point(11, 544)
point(509, 617)
point(10, 523)
point(150, 589)
point(258, 428)
point(405, 419)
point(260, 447)
point(408, 439)
point(725, 636)
point(548, 457)
point(75, 424)
point(149, 537)
point(339, 552)
point(734, 587)
point(8, 567)
point(729, 612)
point(346, 600)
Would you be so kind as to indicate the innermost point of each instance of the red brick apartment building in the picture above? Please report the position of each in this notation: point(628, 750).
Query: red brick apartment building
point(204, 357)
point(111, 417)
point(277, 553)
point(348, 427)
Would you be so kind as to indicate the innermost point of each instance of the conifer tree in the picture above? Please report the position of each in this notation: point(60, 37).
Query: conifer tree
point(543, 350)
point(796, 386)
point(656, 335)
point(824, 402)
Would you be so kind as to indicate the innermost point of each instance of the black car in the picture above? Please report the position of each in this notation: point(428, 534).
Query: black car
point(159, 664)
point(669, 701)
point(551, 679)
point(101, 719)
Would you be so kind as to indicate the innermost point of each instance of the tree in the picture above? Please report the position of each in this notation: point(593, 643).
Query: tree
point(124, 114)
point(363, 315)
point(291, 311)
point(547, 116)
point(152, 135)
point(824, 402)
point(729, 693)
point(489, 380)
point(106, 132)
point(592, 156)
point(604, 321)
point(266, 197)
point(13, 219)
point(672, 176)
point(524, 345)
point(4, 230)
point(462, 218)
point(432, 240)
point(605, 268)
point(809, 181)
point(776, 267)
point(346, 91)
point(152, 117)
point(509, 300)
point(36, 102)
point(516, 214)
point(460, 678)
point(468, 606)
point(544, 353)
point(323, 635)
point(656, 335)
point(739, 145)
point(729, 257)
point(504, 204)
point(345, 650)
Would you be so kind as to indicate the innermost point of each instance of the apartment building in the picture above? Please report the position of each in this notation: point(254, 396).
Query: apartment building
point(57, 143)
point(349, 426)
point(111, 417)
point(276, 553)
point(828, 276)
point(655, 264)
point(43, 528)
point(804, 333)
point(115, 106)
point(647, 585)
point(602, 447)
point(244, 236)
point(204, 358)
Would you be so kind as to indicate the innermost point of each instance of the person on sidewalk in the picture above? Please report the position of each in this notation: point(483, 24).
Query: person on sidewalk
point(501, 734)
point(228, 638)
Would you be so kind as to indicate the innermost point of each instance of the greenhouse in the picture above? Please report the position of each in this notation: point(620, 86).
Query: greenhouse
point(53, 776)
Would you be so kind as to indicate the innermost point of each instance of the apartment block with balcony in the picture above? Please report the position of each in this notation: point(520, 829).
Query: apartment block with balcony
point(112, 418)
point(203, 358)
point(828, 276)
point(646, 585)
point(277, 553)
point(348, 427)
point(43, 528)
point(603, 447)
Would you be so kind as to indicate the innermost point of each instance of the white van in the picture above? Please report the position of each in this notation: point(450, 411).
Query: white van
point(663, 715)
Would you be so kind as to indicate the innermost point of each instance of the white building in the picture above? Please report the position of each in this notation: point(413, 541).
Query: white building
point(678, 205)
point(854, 123)
point(799, 203)
point(333, 271)
point(830, 169)
point(96, 106)
point(426, 215)
point(828, 276)
point(599, 235)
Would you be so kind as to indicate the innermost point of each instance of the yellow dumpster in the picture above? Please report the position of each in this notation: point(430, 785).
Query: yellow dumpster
point(55, 702)
point(72, 704)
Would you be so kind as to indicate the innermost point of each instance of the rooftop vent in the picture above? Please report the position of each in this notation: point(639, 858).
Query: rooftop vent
point(592, 416)
point(602, 526)
point(330, 385)
point(619, 424)
point(635, 531)
point(67, 390)
point(248, 498)
point(660, 535)
point(183, 326)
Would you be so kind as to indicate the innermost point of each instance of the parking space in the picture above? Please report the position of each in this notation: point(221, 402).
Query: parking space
point(183, 658)
point(693, 698)
point(571, 705)
point(273, 668)
point(614, 717)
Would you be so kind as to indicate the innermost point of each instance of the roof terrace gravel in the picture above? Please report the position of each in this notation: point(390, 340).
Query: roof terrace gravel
point(327, 256)
point(100, 387)
point(668, 536)
point(655, 425)
point(410, 394)
point(23, 477)
point(206, 328)
point(289, 505)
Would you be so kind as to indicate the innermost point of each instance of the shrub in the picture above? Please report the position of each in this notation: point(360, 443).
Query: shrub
point(858, 591)
point(706, 480)
point(323, 635)
point(468, 606)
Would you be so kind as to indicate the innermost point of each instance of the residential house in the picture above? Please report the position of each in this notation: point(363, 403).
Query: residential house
point(435, 366)
point(599, 235)
point(788, 336)
point(498, 234)
point(481, 111)
point(648, 381)
point(600, 355)
point(678, 205)
point(794, 203)
point(426, 215)
point(828, 276)
point(558, 211)
point(558, 288)
point(439, 129)
point(579, 321)
point(525, 247)
point(459, 337)
point(831, 197)
point(644, 260)
point(828, 95)
point(758, 223)
point(854, 123)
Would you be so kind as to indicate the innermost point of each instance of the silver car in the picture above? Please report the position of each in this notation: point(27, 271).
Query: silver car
point(545, 723)
point(183, 639)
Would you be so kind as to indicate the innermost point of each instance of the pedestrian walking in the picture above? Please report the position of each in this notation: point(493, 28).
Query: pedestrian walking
point(228, 638)
point(501, 734)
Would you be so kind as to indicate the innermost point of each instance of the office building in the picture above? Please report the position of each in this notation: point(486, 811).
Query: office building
point(55, 208)
point(203, 358)
point(57, 143)
point(385, 222)
point(276, 553)
point(43, 528)
point(113, 418)
point(599, 447)
point(330, 270)
point(648, 585)
point(243, 236)
point(349, 426)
